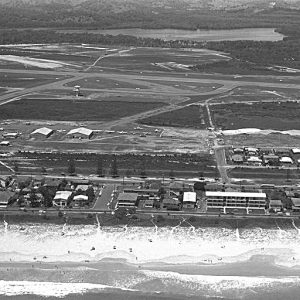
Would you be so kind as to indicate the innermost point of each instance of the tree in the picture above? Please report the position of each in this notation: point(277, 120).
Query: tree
point(16, 168)
point(171, 174)
point(43, 170)
point(114, 167)
point(143, 168)
point(99, 170)
point(128, 173)
point(71, 166)
point(90, 193)
point(47, 196)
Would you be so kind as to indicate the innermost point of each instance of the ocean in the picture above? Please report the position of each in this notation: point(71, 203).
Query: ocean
point(51, 261)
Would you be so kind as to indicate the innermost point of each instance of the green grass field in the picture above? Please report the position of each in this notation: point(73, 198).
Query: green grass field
point(25, 81)
point(268, 115)
point(193, 116)
point(73, 110)
point(103, 83)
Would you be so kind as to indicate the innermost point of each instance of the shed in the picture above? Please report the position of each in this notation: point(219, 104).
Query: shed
point(80, 133)
point(42, 132)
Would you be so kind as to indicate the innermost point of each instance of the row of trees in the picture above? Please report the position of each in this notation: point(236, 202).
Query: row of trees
point(113, 170)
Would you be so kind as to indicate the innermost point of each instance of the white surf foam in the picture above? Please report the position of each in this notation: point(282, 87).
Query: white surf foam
point(146, 244)
point(48, 289)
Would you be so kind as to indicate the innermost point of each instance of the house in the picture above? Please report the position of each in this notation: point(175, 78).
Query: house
point(10, 135)
point(179, 186)
point(80, 133)
point(5, 143)
point(282, 152)
point(144, 194)
point(171, 203)
point(33, 199)
point(189, 199)
point(80, 200)
point(82, 187)
point(5, 196)
point(237, 159)
point(295, 204)
point(127, 200)
point(267, 151)
point(61, 198)
point(254, 160)
point(43, 132)
point(238, 151)
point(149, 203)
point(251, 151)
point(275, 205)
point(296, 151)
point(270, 159)
point(286, 160)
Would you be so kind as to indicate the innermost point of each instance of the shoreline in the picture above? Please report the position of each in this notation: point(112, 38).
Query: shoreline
point(167, 219)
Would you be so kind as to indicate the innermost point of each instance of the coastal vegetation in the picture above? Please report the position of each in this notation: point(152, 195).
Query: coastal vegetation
point(116, 165)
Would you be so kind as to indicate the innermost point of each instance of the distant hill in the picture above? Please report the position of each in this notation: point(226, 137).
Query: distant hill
point(190, 14)
point(167, 4)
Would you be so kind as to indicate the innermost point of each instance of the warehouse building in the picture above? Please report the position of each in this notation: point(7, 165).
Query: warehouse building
point(80, 133)
point(43, 132)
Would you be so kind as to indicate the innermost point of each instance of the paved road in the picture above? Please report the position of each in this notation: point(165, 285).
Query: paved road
point(221, 163)
point(227, 84)
point(105, 198)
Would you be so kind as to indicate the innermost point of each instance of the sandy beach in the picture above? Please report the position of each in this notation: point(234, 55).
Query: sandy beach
point(191, 258)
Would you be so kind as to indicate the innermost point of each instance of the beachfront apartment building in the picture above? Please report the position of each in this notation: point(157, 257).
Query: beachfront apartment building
point(230, 201)
point(127, 200)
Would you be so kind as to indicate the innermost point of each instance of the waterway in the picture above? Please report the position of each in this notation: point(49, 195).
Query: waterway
point(254, 34)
